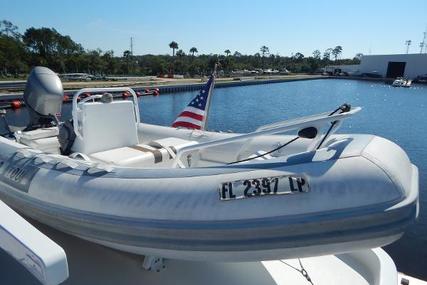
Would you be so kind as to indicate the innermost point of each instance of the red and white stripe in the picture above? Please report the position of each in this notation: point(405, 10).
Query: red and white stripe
point(191, 118)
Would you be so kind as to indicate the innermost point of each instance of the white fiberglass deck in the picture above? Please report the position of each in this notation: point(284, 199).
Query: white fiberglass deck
point(93, 264)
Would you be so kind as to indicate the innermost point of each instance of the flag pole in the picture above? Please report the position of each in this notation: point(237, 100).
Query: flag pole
point(208, 103)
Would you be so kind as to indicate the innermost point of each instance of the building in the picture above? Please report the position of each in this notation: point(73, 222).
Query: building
point(394, 65)
point(337, 69)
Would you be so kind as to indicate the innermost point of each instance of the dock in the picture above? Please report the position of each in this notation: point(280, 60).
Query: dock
point(11, 92)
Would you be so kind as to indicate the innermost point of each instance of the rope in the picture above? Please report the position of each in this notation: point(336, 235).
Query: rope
point(303, 272)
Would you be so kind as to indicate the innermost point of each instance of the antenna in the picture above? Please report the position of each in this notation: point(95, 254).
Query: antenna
point(131, 45)
point(408, 43)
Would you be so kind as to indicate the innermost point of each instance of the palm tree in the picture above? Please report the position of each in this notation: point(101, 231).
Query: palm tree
point(264, 50)
point(180, 53)
point(127, 55)
point(327, 54)
point(227, 52)
point(173, 45)
point(337, 51)
point(193, 50)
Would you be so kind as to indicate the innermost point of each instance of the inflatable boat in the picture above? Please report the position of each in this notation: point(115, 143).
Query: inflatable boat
point(288, 189)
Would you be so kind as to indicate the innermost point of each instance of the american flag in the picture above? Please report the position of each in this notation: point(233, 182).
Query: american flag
point(194, 115)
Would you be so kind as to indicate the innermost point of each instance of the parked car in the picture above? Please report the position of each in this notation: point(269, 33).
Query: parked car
point(421, 78)
point(284, 71)
point(75, 77)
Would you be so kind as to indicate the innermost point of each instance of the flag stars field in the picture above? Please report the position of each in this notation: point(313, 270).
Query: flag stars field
point(194, 115)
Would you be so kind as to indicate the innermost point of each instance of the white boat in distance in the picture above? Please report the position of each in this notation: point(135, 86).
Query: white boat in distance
point(402, 82)
point(199, 195)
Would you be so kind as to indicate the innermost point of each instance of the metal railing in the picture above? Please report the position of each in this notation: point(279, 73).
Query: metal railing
point(316, 121)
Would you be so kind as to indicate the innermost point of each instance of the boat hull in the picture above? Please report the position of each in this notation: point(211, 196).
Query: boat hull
point(356, 200)
point(282, 238)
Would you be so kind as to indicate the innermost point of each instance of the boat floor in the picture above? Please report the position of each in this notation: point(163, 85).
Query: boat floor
point(94, 264)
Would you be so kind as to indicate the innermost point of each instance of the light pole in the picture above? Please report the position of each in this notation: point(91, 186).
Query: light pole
point(408, 43)
point(423, 43)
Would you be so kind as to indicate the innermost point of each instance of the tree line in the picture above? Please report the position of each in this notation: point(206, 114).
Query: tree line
point(47, 47)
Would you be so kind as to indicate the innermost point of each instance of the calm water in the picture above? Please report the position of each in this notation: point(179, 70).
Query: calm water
point(395, 113)
point(398, 114)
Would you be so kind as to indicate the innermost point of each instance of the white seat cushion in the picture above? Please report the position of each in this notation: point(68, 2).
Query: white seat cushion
point(154, 154)
point(176, 143)
point(48, 145)
point(106, 126)
point(44, 139)
point(40, 133)
point(127, 156)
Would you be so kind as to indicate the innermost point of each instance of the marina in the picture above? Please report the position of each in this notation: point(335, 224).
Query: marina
point(234, 143)
point(291, 95)
point(14, 99)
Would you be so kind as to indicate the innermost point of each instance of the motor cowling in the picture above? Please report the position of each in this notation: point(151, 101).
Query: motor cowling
point(43, 96)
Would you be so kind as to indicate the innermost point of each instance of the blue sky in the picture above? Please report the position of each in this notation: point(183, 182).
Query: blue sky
point(286, 27)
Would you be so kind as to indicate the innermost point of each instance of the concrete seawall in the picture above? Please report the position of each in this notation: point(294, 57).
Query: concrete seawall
point(7, 98)
point(197, 86)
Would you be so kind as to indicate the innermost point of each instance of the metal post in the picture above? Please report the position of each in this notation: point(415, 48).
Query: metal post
point(408, 43)
point(208, 103)
point(131, 46)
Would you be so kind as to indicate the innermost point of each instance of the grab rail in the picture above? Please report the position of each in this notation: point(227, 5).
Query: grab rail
point(76, 108)
point(281, 127)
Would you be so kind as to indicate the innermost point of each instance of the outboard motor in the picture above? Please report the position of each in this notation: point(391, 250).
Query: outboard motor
point(43, 96)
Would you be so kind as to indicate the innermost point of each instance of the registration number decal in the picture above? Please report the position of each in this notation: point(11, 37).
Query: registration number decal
point(264, 186)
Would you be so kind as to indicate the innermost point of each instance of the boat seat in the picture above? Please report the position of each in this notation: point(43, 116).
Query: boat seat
point(106, 126)
point(158, 153)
